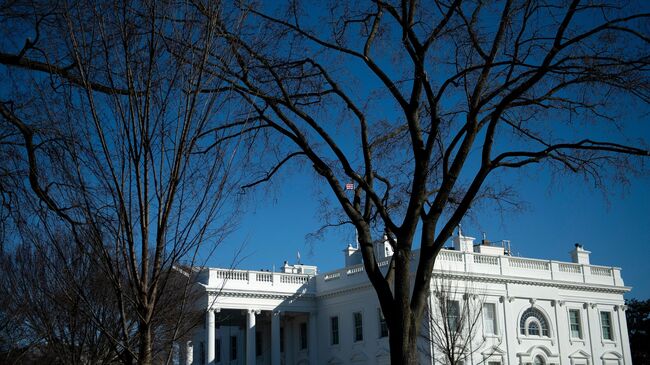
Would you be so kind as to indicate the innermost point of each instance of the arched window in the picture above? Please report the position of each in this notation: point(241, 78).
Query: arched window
point(533, 323)
point(539, 360)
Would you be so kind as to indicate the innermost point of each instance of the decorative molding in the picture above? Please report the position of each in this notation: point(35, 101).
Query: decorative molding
point(263, 295)
point(544, 283)
point(532, 301)
point(620, 307)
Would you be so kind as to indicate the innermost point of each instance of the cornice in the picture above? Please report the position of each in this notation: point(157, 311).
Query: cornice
point(500, 280)
point(601, 288)
point(260, 294)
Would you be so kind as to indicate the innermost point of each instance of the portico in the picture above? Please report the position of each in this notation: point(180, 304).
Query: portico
point(254, 336)
point(257, 318)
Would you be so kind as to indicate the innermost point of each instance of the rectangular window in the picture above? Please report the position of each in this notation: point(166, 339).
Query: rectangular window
point(334, 330)
point(490, 318)
point(453, 315)
point(217, 350)
point(494, 362)
point(574, 323)
point(258, 343)
point(233, 347)
point(383, 327)
point(303, 336)
point(358, 326)
point(281, 339)
point(606, 325)
point(202, 349)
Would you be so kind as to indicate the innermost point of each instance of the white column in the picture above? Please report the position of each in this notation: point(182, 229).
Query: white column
point(623, 338)
point(209, 337)
point(275, 338)
point(593, 328)
point(510, 328)
point(250, 336)
point(561, 330)
point(313, 339)
point(189, 353)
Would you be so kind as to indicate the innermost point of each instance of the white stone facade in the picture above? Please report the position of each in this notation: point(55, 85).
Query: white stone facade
point(540, 312)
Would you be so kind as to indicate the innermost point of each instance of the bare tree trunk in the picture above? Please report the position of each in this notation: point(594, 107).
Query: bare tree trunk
point(404, 324)
point(146, 344)
point(403, 348)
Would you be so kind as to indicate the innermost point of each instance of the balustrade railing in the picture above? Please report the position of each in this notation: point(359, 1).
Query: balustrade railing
point(450, 256)
point(332, 276)
point(293, 279)
point(232, 275)
point(355, 270)
point(600, 271)
point(529, 264)
point(264, 277)
point(486, 259)
point(570, 268)
point(488, 264)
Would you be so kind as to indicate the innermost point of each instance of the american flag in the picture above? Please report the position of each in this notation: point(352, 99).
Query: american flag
point(349, 186)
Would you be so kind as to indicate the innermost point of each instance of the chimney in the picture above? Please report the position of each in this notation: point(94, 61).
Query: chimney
point(352, 256)
point(485, 241)
point(463, 243)
point(383, 249)
point(579, 255)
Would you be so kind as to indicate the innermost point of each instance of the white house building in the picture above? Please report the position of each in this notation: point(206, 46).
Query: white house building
point(533, 311)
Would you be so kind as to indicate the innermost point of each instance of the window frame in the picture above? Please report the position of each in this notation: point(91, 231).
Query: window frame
point(357, 328)
point(382, 325)
point(537, 327)
point(579, 324)
point(539, 318)
point(495, 321)
point(610, 325)
point(453, 326)
point(335, 334)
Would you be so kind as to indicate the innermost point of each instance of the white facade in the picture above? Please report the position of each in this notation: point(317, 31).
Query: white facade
point(540, 312)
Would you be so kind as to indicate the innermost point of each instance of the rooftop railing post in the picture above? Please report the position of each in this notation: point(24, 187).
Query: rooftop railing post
point(555, 267)
point(616, 276)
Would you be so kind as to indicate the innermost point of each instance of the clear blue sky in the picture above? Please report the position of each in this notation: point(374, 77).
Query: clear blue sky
point(560, 213)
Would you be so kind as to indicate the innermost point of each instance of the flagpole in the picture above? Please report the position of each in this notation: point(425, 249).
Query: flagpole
point(350, 187)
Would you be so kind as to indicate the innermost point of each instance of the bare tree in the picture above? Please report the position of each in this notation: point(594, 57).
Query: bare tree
point(61, 309)
point(103, 123)
point(455, 321)
point(417, 104)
